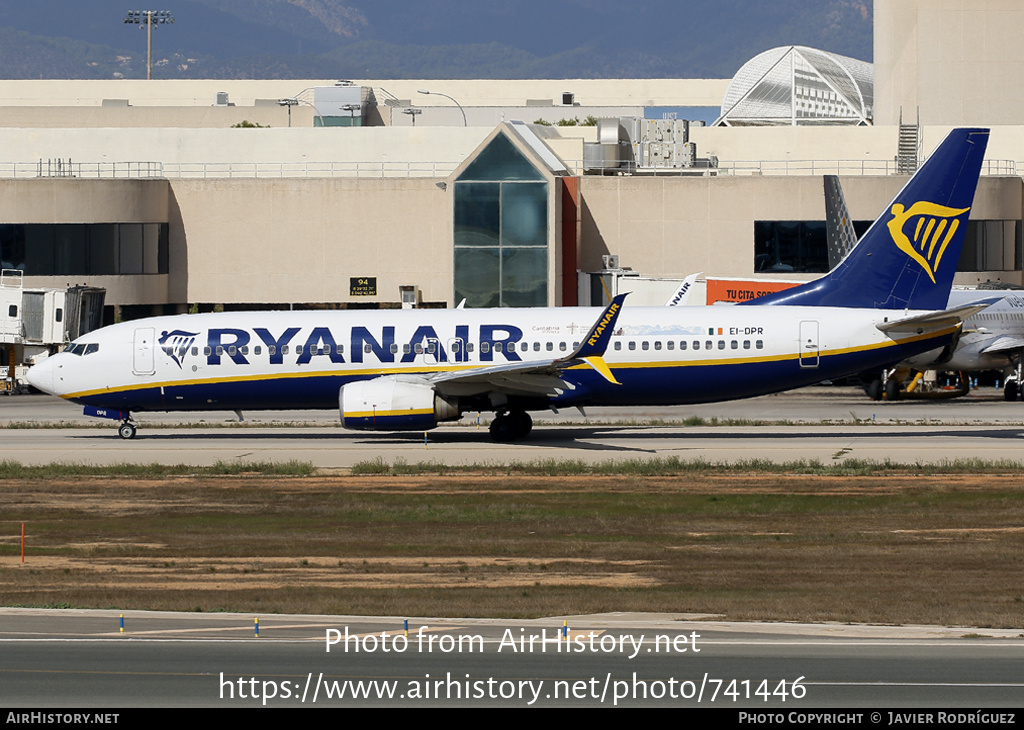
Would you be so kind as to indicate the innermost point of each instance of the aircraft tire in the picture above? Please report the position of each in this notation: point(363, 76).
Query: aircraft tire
point(502, 429)
point(126, 430)
point(512, 426)
point(874, 390)
point(523, 422)
point(892, 390)
point(1011, 391)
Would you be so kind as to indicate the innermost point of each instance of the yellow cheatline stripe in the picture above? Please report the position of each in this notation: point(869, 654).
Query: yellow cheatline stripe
point(388, 414)
point(472, 366)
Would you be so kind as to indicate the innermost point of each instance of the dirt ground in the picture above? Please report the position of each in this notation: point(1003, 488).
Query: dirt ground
point(899, 548)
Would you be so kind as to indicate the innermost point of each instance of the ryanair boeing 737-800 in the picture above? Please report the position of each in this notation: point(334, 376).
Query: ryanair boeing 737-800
point(410, 370)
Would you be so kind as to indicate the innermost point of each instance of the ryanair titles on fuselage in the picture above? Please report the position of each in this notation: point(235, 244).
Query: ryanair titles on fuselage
point(383, 344)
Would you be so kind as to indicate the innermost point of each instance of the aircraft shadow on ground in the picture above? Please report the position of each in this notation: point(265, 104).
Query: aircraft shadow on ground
point(596, 438)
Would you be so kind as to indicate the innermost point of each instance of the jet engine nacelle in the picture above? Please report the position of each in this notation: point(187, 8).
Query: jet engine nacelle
point(389, 404)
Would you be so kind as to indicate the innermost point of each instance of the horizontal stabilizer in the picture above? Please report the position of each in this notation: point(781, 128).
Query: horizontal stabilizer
point(936, 320)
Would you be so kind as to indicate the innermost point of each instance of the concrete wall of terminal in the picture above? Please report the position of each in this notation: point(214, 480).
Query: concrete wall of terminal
point(71, 200)
point(671, 227)
point(446, 147)
point(469, 92)
point(960, 61)
point(298, 241)
point(260, 241)
point(436, 151)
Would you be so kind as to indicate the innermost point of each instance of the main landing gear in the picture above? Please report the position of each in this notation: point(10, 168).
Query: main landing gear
point(127, 429)
point(511, 426)
point(1014, 386)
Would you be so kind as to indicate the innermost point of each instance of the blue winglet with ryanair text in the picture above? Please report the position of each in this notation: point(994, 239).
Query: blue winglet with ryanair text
point(593, 346)
point(907, 258)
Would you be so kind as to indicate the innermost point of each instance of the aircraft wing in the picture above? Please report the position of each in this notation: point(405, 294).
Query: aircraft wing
point(540, 376)
point(1003, 344)
point(936, 320)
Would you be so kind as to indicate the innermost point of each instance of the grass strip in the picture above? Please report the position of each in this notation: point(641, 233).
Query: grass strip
point(674, 466)
point(10, 469)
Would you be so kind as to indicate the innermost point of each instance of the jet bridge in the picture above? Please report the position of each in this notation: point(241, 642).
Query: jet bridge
point(36, 323)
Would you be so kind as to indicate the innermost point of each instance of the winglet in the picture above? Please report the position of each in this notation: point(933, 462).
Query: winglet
point(593, 347)
point(596, 341)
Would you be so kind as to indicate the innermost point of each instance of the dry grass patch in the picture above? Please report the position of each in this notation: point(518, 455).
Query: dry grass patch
point(943, 549)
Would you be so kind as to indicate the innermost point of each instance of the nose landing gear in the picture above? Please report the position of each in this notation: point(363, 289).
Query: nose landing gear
point(127, 429)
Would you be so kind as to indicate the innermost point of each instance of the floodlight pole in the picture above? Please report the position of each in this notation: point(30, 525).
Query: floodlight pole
point(148, 18)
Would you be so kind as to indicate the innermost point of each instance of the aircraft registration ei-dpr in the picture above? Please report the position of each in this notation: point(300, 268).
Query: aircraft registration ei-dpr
point(390, 370)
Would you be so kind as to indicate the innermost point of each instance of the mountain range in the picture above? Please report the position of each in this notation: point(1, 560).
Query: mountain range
point(422, 38)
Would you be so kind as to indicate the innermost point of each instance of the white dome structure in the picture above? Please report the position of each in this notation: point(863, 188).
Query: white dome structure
point(793, 85)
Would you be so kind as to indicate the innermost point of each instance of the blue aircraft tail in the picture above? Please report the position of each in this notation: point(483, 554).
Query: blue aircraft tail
point(907, 258)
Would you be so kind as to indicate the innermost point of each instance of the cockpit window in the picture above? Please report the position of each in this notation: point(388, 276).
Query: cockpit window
point(81, 349)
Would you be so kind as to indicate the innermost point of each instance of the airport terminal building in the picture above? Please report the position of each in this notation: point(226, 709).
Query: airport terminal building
point(179, 195)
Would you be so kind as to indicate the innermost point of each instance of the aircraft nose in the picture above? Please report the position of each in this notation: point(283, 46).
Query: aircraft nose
point(41, 376)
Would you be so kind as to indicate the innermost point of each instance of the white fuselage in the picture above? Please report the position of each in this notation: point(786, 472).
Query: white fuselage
point(661, 355)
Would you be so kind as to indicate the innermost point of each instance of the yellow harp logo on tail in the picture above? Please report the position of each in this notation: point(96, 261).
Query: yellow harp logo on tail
point(935, 227)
